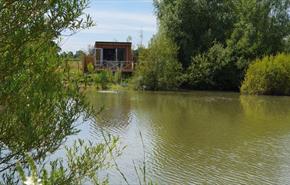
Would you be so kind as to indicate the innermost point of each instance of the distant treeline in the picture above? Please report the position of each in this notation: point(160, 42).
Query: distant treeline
point(70, 55)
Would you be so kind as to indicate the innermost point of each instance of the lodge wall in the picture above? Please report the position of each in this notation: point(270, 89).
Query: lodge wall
point(111, 45)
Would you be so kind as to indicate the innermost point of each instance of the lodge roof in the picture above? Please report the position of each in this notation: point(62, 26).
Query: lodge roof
point(113, 43)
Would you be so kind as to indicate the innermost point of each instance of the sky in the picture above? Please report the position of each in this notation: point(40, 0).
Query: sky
point(115, 20)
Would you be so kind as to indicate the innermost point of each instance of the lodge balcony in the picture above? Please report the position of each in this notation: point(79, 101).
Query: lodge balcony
point(123, 66)
point(113, 56)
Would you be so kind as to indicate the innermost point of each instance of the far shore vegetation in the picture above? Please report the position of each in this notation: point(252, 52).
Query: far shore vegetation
point(212, 49)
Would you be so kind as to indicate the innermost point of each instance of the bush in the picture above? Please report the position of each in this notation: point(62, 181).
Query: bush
point(117, 77)
point(213, 70)
point(90, 68)
point(158, 68)
point(104, 78)
point(268, 76)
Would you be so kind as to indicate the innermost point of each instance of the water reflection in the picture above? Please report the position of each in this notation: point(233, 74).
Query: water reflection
point(202, 137)
point(112, 111)
point(266, 107)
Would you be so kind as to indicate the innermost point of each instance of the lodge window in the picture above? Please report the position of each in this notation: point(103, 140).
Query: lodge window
point(121, 54)
point(109, 54)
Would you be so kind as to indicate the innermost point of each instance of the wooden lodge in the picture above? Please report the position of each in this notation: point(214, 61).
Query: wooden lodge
point(111, 56)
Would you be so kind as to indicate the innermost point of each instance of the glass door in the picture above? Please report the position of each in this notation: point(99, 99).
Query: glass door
point(99, 56)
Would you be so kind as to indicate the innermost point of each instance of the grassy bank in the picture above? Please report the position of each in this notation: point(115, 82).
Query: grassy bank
point(103, 80)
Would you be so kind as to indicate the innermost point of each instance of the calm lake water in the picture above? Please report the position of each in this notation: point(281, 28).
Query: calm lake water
point(197, 137)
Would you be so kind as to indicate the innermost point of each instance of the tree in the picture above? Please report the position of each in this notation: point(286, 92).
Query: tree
point(38, 106)
point(70, 55)
point(260, 29)
point(213, 70)
point(158, 67)
point(248, 29)
point(195, 24)
point(79, 54)
point(129, 38)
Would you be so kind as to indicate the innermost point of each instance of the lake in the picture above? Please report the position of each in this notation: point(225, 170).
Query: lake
point(197, 137)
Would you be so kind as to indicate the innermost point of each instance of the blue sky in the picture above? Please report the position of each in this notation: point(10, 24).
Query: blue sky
point(115, 20)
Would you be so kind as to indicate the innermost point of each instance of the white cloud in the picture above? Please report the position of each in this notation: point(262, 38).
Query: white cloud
point(117, 28)
point(143, 18)
point(111, 22)
point(113, 25)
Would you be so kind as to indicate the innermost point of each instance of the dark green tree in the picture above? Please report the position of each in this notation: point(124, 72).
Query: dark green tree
point(70, 55)
point(213, 70)
point(79, 54)
point(195, 24)
point(158, 67)
point(260, 29)
point(248, 29)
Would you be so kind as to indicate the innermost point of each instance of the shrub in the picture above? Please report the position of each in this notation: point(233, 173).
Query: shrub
point(268, 76)
point(90, 68)
point(158, 68)
point(39, 105)
point(117, 77)
point(213, 70)
point(81, 164)
point(104, 78)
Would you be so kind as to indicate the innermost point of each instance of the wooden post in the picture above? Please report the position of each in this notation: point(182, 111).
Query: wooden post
point(116, 53)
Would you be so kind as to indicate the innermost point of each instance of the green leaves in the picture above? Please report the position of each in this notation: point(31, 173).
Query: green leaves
point(259, 29)
point(158, 68)
point(195, 25)
point(248, 29)
point(84, 161)
point(213, 70)
point(38, 107)
point(268, 76)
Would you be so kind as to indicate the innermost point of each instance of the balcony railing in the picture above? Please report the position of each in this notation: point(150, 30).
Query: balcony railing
point(126, 66)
